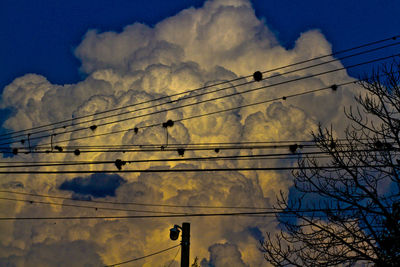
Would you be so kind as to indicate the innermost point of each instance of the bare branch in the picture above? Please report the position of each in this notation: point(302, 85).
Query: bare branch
point(348, 214)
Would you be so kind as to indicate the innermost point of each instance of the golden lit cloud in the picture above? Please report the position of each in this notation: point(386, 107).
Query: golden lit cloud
point(218, 42)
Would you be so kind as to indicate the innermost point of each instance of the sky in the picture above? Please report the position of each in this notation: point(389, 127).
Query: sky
point(67, 59)
point(40, 36)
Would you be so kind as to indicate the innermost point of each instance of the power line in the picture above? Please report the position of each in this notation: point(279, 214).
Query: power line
point(264, 213)
point(178, 107)
point(269, 156)
point(208, 100)
point(280, 83)
point(162, 148)
point(143, 257)
point(179, 150)
point(187, 118)
point(176, 145)
point(153, 211)
point(86, 207)
point(214, 144)
point(204, 87)
point(193, 96)
point(193, 170)
point(235, 157)
point(179, 249)
point(170, 147)
point(150, 148)
point(132, 203)
point(219, 214)
point(144, 204)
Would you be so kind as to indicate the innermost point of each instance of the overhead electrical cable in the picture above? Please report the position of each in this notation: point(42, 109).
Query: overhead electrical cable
point(153, 106)
point(272, 85)
point(201, 94)
point(32, 201)
point(216, 143)
point(269, 156)
point(173, 146)
point(285, 97)
point(281, 156)
point(148, 255)
point(220, 214)
point(130, 203)
point(177, 252)
point(97, 207)
point(177, 170)
point(204, 87)
point(213, 99)
point(176, 145)
point(149, 146)
point(162, 148)
point(208, 100)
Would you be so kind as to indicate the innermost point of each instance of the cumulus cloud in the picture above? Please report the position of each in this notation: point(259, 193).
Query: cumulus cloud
point(54, 254)
point(220, 41)
point(224, 255)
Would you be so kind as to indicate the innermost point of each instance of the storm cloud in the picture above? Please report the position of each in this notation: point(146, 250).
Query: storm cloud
point(220, 41)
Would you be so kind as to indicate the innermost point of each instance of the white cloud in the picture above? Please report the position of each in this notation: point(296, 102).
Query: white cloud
point(224, 255)
point(221, 41)
point(55, 254)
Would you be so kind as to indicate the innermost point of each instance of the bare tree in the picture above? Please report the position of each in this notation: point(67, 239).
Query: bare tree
point(346, 209)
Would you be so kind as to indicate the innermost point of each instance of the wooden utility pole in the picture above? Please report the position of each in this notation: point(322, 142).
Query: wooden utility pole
point(185, 244)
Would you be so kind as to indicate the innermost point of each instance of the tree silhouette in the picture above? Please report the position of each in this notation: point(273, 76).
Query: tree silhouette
point(346, 209)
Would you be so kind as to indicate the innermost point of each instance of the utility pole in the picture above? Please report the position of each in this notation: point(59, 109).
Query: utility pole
point(185, 244)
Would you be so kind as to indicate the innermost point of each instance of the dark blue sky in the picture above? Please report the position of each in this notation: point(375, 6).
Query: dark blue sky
point(40, 36)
